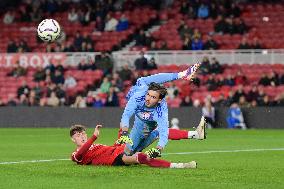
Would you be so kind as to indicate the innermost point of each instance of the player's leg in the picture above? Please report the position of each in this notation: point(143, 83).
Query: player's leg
point(142, 158)
point(199, 133)
point(147, 141)
point(136, 136)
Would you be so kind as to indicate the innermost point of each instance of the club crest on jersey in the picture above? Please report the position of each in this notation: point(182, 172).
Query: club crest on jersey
point(146, 115)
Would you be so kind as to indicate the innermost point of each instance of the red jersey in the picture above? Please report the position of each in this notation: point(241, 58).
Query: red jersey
point(96, 154)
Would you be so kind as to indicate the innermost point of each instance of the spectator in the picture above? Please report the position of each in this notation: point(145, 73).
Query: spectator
point(215, 66)
point(33, 99)
point(243, 102)
point(230, 27)
point(80, 102)
point(235, 10)
point(98, 103)
point(70, 82)
point(58, 78)
point(123, 23)
point(203, 11)
point(208, 111)
point(24, 89)
point(240, 79)
point(11, 100)
point(141, 63)
point(221, 81)
point(112, 98)
point(172, 90)
point(210, 44)
point(24, 15)
point(78, 40)
point(265, 101)
point(83, 65)
point(196, 44)
point(230, 81)
point(235, 117)
point(252, 94)
point(149, 39)
point(12, 47)
point(220, 25)
point(187, 44)
point(100, 24)
point(184, 30)
point(205, 66)
point(73, 16)
point(18, 70)
point(140, 39)
point(264, 80)
point(52, 100)
point(221, 102)
point(244, 44)
point(273, 79)
point(184, 7)
point(125, 73)
point(105, 86)
point(186, 101)
point(152, 64)
point(117, 82)
point(164, 46)
point(213, 10)
point(23, 100)
point(240, 92)
point(105, 63)
point(153, 46)
point(196, 34)
point(9, 17)
point(240, 26)
point(111, 23)
point(261, 95)
point(230, 98)
point(256, 44)
point(211, 83)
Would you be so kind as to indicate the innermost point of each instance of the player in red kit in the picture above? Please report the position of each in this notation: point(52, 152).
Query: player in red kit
point(88, 153)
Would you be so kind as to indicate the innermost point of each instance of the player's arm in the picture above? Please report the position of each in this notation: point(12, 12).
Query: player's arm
point(129, 110)
point(163, 124)
point(79, 154)
point(161, 78)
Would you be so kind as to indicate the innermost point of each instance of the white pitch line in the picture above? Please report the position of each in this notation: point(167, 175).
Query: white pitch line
point(225, 151)
point(176, 153)
point(32, 161)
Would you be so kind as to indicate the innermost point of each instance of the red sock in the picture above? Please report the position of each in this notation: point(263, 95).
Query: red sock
point(143, 159)
point(175, 134)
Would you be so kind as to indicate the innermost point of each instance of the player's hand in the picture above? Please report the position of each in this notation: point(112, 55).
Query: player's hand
point(153, 153)
point(124, 139)
point(193, 71)
point(97, 130)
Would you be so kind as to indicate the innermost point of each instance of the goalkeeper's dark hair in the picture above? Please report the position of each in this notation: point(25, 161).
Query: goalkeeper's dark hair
point(159, 88)
point(76, 128)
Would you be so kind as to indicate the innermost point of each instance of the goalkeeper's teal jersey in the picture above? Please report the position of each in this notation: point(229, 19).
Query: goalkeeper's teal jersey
point(152, 117)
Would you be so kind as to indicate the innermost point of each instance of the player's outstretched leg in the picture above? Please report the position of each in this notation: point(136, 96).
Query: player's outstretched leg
point(142, 158)
point(199, 133)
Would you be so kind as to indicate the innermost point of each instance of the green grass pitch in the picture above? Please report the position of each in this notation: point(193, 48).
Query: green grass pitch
point(246, 169)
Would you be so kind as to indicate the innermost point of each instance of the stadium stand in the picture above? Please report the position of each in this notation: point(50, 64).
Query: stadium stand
point(251, 26)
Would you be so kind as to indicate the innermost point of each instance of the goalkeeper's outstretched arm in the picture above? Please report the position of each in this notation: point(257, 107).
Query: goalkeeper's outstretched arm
point(161, 78)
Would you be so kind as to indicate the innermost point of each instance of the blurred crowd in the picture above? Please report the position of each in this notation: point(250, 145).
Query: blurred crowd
point(53, 82)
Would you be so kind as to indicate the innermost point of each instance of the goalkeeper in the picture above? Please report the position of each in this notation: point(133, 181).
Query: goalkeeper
point(147, 101)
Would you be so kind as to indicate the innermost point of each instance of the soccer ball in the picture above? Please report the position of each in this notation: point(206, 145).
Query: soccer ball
point(48, 30)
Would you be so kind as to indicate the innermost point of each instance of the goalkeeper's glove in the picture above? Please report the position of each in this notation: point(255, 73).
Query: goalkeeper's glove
point(153, 153)
point(124, 138)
